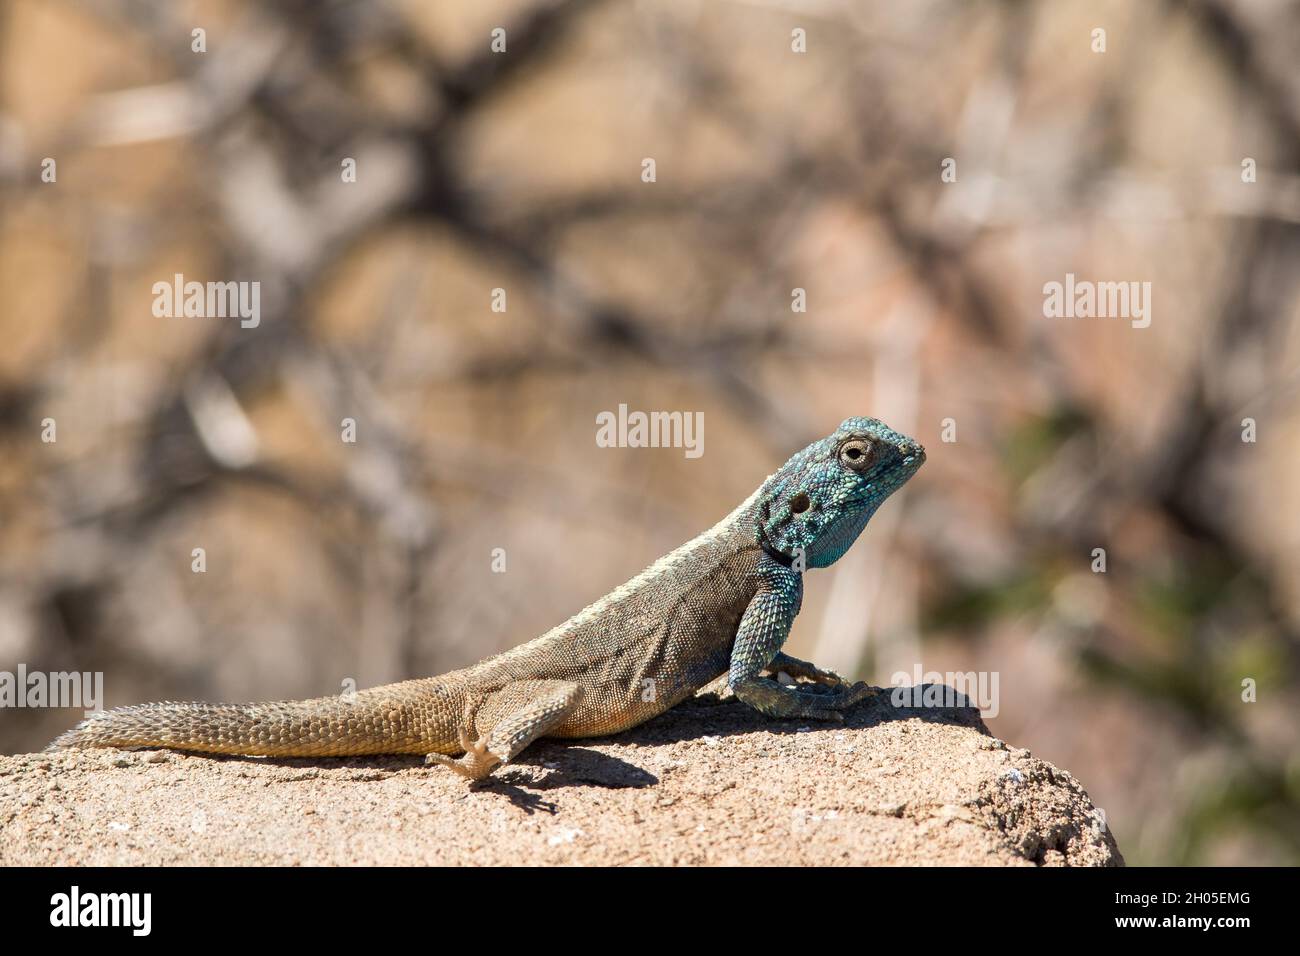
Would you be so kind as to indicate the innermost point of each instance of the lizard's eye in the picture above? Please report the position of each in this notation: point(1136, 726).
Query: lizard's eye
point(800, 503)
point(856, 454)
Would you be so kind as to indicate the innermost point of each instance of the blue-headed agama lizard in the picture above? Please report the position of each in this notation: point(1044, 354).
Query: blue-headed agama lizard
point(720, 604)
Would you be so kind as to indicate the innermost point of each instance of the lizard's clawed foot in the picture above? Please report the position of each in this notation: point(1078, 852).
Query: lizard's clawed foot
point(814, 702)
point(846, 696)
point(858, 691)
point(796, 668)
point(476, 763)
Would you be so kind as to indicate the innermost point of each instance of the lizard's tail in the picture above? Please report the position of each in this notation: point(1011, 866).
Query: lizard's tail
point(399, 718)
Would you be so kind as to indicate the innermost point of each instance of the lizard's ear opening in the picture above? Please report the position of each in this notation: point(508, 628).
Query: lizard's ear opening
point(800, 503)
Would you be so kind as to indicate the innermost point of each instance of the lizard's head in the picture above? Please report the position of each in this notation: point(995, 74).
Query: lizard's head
point(822, 498)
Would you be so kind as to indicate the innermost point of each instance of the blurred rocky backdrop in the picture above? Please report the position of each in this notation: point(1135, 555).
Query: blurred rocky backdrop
point(851, 209)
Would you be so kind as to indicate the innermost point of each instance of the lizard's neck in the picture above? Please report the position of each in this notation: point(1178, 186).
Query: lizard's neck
point(741, 523)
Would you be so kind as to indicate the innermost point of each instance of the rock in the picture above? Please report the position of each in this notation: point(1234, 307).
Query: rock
point(893, 785)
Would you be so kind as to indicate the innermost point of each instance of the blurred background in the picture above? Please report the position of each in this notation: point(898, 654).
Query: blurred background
point(775, 170)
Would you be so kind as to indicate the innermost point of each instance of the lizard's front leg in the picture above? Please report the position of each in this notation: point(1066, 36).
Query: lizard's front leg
point(763, 629)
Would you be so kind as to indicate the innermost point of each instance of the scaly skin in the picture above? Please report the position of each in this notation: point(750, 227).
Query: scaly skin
point(720, 604)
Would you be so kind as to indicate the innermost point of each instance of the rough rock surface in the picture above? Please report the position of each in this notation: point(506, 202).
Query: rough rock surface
point(708, 783)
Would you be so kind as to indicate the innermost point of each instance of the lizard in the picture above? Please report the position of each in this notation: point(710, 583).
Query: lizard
point(721, 605)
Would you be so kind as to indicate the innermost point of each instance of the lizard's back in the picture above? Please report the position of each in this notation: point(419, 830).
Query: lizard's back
point(646, 645)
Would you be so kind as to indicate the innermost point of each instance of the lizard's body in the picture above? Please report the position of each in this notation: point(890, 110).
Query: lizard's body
point(721, 603)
